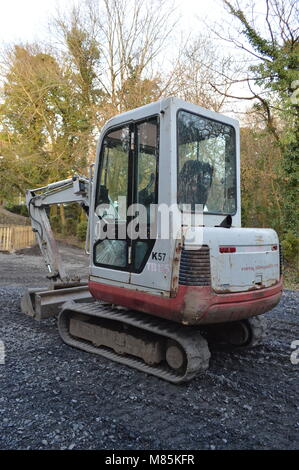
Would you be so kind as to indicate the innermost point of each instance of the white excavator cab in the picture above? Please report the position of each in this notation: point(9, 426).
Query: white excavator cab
point(181, 163)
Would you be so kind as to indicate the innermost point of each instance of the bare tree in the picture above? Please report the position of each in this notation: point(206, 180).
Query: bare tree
point(198, 64)
point(128, 36)
point(134, 33)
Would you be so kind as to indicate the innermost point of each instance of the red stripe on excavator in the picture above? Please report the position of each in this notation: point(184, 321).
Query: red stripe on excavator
point(192, 304)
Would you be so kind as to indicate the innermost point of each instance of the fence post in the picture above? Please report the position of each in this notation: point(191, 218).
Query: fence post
point(9, 239)
point(12, 238)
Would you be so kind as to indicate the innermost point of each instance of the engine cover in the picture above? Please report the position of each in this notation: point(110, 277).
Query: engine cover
point(241, 259)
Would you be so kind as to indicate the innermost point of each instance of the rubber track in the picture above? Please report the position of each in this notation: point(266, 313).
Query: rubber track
point(194, 345)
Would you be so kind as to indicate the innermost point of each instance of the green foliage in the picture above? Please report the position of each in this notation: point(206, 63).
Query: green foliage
point(136, 91)
point(290, 248)
point(81, 230)
point(276, 71)
point(46, 130)
point(20, 209)
point(56, 223)
point(261, 179)
point(290, 188)
point(68, 226)
point(279, 54)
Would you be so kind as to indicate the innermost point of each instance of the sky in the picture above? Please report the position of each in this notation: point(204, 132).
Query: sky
point(26, 20)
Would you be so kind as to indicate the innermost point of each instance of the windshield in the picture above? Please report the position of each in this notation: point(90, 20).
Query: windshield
point(206, 164)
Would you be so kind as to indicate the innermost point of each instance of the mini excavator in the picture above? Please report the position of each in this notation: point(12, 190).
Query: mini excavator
point(160, 284)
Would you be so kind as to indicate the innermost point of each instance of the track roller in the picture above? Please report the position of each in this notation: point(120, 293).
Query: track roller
point(239, 334)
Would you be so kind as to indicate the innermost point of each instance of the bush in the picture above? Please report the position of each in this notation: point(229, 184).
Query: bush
point(81, 230)
point(70, 227)
point(290, 247)
point(20, 209)
point(55, 223)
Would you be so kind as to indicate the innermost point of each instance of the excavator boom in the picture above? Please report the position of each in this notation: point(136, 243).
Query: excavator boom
point(44, 302)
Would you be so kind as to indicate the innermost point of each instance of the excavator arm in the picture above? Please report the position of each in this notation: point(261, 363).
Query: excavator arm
point(76, 189)
point(44, 302)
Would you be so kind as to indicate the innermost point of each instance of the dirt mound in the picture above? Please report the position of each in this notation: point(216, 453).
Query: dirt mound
point(9, 218)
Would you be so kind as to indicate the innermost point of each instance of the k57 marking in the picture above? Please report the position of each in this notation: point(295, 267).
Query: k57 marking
point(158, 256)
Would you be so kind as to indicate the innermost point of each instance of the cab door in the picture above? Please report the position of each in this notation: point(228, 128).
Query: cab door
point(127, 176)
point(145, 192)
point(112, 198)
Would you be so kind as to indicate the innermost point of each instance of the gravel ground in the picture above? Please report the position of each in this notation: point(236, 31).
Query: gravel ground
point(56, 397)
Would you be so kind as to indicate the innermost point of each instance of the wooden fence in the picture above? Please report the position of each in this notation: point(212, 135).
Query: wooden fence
point(16, 237)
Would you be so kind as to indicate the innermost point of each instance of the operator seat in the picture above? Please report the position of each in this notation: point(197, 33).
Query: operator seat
point(194, 182)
